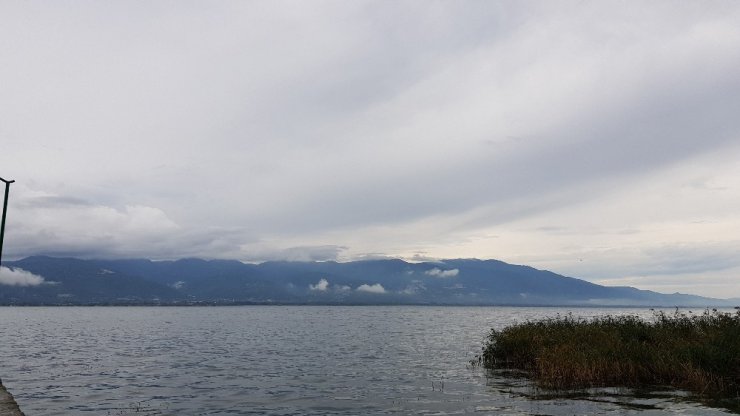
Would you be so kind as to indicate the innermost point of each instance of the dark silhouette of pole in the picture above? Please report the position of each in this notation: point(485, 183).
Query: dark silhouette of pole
point(5, 213)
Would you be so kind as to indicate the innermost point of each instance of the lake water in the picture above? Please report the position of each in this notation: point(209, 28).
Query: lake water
point(292, 360)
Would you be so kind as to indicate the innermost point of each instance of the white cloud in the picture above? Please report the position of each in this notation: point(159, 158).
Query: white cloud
point(436, 272)
point(376, 288)
point(19, 277)
point(321, 286)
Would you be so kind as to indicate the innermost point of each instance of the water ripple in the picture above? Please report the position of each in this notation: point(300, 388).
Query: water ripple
point(281, 361)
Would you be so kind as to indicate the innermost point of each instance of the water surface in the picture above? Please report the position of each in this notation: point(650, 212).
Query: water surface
point(290, 360)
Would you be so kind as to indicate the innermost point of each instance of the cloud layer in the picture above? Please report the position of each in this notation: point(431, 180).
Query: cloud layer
point(593, 139)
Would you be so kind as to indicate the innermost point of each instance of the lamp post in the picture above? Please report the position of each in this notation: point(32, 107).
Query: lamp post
point(5, 212)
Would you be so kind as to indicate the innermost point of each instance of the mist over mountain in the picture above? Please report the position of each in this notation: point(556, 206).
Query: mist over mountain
point(69, 281)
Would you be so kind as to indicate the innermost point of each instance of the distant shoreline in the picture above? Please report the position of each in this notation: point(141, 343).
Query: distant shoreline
point(445, 305)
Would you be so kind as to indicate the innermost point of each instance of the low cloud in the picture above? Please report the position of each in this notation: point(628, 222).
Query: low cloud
point(435, 272)
point(415, 287)
point(342, 288)
point(376, 288)
point(322, 286)
point(19, 277)
point(257, 252)
point(312, 253)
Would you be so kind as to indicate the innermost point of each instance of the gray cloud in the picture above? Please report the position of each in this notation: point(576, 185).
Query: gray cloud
point(272, 130)
point(686, 258)
point(260, 252)
point(51, 202)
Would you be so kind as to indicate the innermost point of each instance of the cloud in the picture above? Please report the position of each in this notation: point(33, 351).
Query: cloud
point(376, 288)
point(413, 288)
point(46, 223)
point(487, 120)
point(436, 272)
point(259, 252)
point(321, 286)
point(43, 222)
point(423, 258)
point(19, 277)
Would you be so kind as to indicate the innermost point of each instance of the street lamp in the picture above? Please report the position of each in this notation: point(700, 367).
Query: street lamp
point(5, 212)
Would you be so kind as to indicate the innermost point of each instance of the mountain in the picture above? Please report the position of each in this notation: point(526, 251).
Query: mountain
point(392, 281)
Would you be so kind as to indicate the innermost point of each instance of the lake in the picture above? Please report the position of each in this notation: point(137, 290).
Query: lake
point(283, 360)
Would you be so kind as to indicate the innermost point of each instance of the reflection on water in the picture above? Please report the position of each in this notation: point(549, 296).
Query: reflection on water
point(612, 400)
point(284, 361)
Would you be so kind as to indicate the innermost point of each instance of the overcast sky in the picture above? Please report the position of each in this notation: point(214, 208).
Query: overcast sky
point(599, 140)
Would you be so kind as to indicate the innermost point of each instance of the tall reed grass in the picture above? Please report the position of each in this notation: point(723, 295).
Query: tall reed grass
point(699, 353)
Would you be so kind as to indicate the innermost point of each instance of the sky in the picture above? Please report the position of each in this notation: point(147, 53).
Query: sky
point(599, 140)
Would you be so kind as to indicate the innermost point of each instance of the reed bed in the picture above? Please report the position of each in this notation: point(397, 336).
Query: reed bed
point(699, 353)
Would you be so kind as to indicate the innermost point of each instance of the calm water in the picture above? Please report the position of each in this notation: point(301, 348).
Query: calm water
point(280, 361)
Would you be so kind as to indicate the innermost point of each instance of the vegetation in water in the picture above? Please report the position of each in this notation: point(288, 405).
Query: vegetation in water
point(699, 353)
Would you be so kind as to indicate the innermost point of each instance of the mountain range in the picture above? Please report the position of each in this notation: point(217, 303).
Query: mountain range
point(70, 281)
